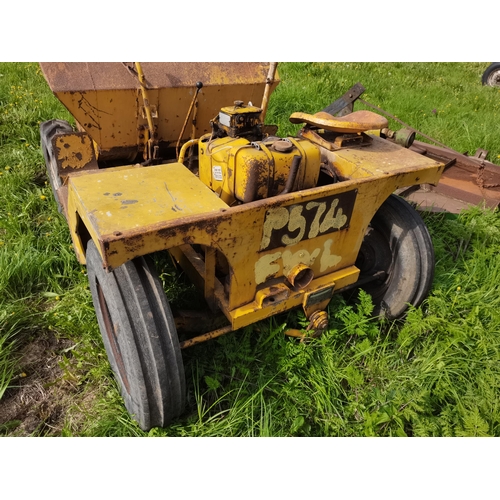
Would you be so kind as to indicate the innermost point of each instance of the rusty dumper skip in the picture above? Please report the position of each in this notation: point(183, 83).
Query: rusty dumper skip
point(176, 157)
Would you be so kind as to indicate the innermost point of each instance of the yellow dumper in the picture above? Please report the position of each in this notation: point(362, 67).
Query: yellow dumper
point(176, 157)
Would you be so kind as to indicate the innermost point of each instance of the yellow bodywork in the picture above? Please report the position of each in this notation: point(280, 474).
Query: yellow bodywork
point(265, 244)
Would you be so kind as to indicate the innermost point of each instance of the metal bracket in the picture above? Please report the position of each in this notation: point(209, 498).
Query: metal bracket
point(481, 154)
point(344, 105)
point(315, 138)
point(144, 114)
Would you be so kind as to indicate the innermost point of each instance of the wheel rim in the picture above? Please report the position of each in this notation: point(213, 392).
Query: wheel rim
point(111, 335)
point(396, 259)
point(375, 255)
point(494, 79)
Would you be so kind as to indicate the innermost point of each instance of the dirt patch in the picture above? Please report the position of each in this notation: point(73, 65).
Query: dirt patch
point(41, 391)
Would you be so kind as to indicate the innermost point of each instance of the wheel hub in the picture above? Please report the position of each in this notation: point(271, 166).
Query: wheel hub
point(494, 79)
point(374, 255)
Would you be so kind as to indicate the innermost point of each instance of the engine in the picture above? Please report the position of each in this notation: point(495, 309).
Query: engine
point(241, 165)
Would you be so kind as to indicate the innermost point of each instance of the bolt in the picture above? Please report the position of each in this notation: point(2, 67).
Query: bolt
point(318, 321)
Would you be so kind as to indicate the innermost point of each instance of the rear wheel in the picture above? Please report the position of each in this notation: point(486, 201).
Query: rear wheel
point(48, 130)
point(140, 338)
point(397, 245)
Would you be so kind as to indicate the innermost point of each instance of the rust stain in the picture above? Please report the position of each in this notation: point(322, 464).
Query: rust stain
point(80, 76)
point(166, 234)
point(134, 243)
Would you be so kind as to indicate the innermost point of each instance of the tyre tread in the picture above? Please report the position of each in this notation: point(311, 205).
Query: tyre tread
point(151, 351)
point(408, 239)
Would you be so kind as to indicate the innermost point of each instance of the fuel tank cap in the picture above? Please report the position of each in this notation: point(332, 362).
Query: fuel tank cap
point(282, 146)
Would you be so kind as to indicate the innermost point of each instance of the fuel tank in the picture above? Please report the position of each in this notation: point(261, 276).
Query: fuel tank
point(242, 171)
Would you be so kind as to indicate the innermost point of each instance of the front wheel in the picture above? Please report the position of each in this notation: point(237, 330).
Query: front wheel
point(491, 76)
point(48, 130)
point(397, 246)
point(140, 338)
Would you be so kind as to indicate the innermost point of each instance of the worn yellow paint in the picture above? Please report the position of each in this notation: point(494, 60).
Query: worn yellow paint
point(120, 200)
point(294, 260)
point(271, 265)
point(74, 151)
point(129, 199)
point(382, 158)
point(252, 312)
point(254, 251)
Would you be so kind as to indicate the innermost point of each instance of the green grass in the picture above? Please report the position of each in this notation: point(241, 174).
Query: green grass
point(443, 100)
point(435, 374)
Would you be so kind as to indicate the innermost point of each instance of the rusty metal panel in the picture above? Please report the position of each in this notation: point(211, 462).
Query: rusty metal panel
point(466, 181)
point(105, 98)
point(251, 312)
point(85, 76)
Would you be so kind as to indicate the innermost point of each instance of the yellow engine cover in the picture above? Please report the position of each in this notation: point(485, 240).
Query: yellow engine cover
point(238, 170)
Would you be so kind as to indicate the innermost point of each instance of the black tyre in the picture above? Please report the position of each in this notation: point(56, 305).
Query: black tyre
point(140, 337)
point(48, 130)
point(491, 76)
point(398, 243)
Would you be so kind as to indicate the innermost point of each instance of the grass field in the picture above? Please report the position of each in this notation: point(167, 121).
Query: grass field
point(435, 374)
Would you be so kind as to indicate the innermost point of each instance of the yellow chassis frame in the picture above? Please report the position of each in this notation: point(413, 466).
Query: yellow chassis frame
point(132, 211)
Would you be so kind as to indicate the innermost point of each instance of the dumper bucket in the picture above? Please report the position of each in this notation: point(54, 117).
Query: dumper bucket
point(106, 101)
